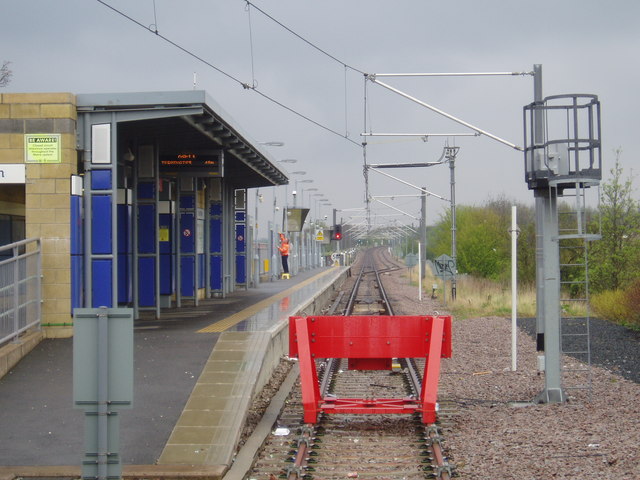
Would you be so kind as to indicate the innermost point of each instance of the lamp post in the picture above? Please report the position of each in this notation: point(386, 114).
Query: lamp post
point(316, 243)
point(310, 243)
point(294, 238)
point(274, 255)
point(303, 250)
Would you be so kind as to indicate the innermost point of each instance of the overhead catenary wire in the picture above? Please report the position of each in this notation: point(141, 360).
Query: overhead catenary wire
point(244, 85)
point(253, 72)
point(312, 45)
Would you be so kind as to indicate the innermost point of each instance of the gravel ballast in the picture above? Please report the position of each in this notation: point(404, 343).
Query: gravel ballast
point(499, 433)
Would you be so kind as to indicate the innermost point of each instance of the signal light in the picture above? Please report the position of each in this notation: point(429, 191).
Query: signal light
point(337, 232)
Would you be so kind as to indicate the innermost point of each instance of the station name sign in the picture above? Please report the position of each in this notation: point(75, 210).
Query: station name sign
point(12, 173)
point(209, 164)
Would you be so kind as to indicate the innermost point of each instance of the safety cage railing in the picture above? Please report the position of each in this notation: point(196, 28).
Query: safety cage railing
point(20, 288)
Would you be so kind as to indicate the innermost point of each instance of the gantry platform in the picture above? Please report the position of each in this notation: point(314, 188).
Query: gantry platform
point(196, 370)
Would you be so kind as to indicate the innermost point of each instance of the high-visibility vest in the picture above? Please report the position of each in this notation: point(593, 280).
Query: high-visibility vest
point(284, 249)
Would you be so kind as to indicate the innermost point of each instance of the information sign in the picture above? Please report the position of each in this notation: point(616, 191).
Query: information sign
point(192, 162)
point(411, 260)
point(445, 267)
point(295, 218)
point(42, 148)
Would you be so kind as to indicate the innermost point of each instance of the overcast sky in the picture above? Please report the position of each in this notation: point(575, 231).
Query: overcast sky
point(584, 46)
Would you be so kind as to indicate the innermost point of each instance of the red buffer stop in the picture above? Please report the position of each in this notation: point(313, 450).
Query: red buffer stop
point(369, 342)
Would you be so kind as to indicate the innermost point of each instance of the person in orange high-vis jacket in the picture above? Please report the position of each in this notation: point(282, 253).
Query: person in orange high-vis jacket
point(284, 253)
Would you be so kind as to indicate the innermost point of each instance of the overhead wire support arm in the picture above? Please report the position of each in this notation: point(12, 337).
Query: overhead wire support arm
point(372, 77)
point(421, 135)
point(412, 185)
point(451, 74)
point(404, 165)
point(396, 209)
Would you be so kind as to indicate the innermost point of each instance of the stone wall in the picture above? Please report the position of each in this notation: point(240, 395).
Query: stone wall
point(47, 191)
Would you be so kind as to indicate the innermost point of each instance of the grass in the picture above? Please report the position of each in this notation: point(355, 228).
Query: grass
point(477, 297)
point(481, 297)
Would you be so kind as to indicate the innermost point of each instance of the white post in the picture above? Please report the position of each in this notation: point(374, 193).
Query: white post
point(419, 271)
point(514, 289)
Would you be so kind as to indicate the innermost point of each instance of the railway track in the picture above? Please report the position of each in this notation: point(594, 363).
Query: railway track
point(339, 446)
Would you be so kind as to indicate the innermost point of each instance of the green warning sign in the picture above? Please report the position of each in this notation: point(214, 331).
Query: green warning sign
point(42, 148)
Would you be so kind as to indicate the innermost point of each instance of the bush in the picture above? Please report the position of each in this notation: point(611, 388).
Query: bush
point(613, 305)
point(632, 303)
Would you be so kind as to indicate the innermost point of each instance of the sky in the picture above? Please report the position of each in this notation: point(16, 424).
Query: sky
point(584, 46)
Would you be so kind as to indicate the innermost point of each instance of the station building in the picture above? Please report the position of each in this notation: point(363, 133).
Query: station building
point(140, 199)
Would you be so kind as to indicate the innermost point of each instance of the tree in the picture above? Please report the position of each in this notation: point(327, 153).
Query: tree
point(614, 260)
point(484, 241)
point(5, 74)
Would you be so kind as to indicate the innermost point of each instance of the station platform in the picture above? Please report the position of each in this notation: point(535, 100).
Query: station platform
point(196, 371)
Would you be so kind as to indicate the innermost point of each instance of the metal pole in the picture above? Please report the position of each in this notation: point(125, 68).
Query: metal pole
point(114, 210)
point(423, 234)
point(420, 272)
point(87, 201)
point(538, 133)
point(178, 243)
point(274, 256)
point(156, 209)
point(548, 269)
point(514, 290)
point(454, 248)
point(16, 292)
point(103, 393)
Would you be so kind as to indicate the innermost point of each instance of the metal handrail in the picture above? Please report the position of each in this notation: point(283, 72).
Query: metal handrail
point(20, 288)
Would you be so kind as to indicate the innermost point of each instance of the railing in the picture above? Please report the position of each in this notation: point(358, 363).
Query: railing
point(20, 288)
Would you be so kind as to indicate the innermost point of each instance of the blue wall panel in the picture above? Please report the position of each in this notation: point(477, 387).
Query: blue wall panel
point(187, 201)
point(101, 224)
point(77, 253)
point(124, 254)
point(166, 224)
point(215, 231)
point(147, 282)
point(215, 209)
point(146, 228)
point(241, 271)
point(101, 180)
point(187, 281)
point(201, 275)
point(146, 190)
point(166, 275)
point(166, 265)
point(216, 272)
point(241, 238)
point(101, 290)
point(77, 267)
point(77, 232)
point(188, 238)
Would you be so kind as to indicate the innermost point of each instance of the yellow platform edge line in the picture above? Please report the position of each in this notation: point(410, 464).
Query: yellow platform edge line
point(232, 320)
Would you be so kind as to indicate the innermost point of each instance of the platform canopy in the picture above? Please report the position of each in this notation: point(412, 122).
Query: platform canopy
point(184, 120)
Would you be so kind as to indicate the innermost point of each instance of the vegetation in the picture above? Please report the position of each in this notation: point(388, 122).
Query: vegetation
point(484, 255)
point(615, 259)
point(484, 240)
point(482, 297)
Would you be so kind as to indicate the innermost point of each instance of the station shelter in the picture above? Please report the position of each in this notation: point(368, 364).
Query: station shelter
point(140, 199)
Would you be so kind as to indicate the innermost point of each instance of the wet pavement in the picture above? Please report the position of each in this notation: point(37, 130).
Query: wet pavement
point(38, 424)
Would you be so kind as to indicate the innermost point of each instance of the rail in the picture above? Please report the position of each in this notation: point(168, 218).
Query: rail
point(20, 288)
